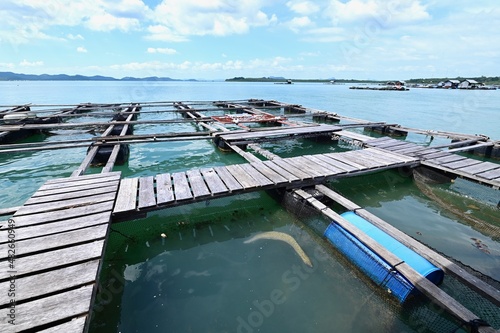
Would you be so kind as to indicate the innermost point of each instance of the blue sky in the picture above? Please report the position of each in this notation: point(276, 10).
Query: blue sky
point(219, 39)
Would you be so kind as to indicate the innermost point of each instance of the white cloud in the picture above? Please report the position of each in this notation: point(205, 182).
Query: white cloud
point(7, 65)
point(303, 7)
point(217, 17)
point(164, 33)
point(387, 12)
point(75, 37)
point(26, 63)
point(161, 50)
point(298, 23)
point(108, 22)
point(81, 49)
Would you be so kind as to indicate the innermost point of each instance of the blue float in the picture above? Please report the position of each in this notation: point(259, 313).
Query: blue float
point(373, 265)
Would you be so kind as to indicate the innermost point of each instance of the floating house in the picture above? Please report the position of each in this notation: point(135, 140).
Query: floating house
point(451, 84)
point(469, 84)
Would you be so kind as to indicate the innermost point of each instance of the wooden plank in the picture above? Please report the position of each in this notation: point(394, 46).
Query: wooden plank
point(42, 193)
point(64, 204)
point(307, 167)
point(110, 175)
point(279, 170)
point(146, 192)
point(356, 161)
point(72, 182)
point(75, 237)
point(393, 143)
point(198, 185)
point(410, 150)
point(164, 189)
point(426, 151)
point(57, 227)
point(492, 174)
point(337, 197)
point(378, 141)
point(214, 183)
point(437, 155)
point(312, 167)
point(297, 172)
point(9, 211)
point(51, 309)
point(255, 174)
point(74, 325)
point(399, 147)
point(461, 164)
point(376, 160)
point(52, 281)
point(272, 175)
point(111, 159)
point(241, 176)
point(332, 158)
point(126, 198)
point(447, 159)
point(27, 220)
point(228, 179)
point(56, 258)
point(72, 195)
point(331, 169)
point(479, 168)
point(392, 156)
point(181, 186)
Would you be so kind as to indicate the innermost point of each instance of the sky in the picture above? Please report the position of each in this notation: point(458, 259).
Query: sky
point(220, 39)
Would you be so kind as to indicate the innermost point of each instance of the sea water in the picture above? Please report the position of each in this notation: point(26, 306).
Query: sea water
point(201, 276)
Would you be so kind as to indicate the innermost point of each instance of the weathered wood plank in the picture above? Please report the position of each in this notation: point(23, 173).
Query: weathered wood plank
point(276, 168)
point(108, 176)
point(291, 168)
point(391, 156)
point(275, 177)
point(228, 179)
point(72, 195)
point(146, 192)
point(492, 174)
point(332, 158)
point(376, 159)
point(164, 189)
point(24, 247)
point(181, 186)
point(320, 166)
point(242, 177)
point(74, 325)
point(337, 197)
point(51, 309)
point(392, 143)
point(52, 281)
point(198, 185)
point(57, 227)
point(27, 220)
point(461, 164)
point(256, 175)
point(306, 166)
point(480, 167)
point(215, 184)
point(126, 198)
point(327, 163)
point(399, 147)
point(447, 159)
point(64, 204)
point(57, 258)
point(354, 161)
point(378, 141)
point(42, 193)
point(437, 155)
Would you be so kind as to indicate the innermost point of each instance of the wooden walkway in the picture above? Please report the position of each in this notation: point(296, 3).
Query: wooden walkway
point(487, 173)
point(60, 234)
point(156, 192)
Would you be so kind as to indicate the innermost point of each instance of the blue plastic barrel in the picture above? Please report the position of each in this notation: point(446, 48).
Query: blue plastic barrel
point(372, 264)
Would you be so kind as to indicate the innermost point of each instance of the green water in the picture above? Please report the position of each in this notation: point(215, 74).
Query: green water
point(202, 277)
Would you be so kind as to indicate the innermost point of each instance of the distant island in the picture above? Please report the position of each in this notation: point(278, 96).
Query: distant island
point(482, 79)
point(9, 76)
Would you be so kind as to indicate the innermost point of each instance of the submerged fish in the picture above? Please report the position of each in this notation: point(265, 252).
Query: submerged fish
point(285, 238)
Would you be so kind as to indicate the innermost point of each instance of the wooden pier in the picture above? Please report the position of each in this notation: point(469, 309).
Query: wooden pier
point(60, 234)
point(61, 230)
